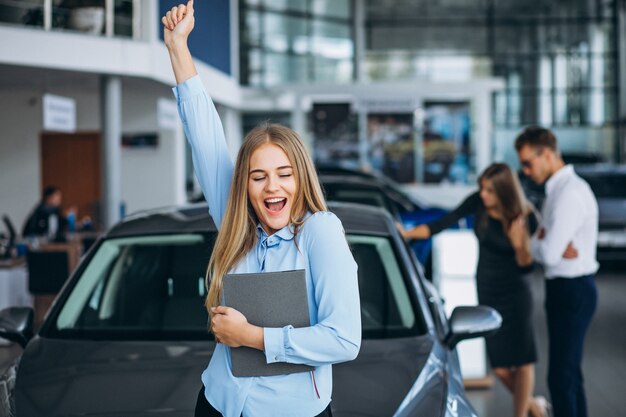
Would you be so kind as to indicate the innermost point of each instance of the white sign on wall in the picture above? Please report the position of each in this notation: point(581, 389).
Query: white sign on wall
point(59, 113)
point(167, 114)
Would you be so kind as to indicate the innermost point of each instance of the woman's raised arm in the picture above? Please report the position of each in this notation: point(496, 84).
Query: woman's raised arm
point(202, 125)
point(177, 25)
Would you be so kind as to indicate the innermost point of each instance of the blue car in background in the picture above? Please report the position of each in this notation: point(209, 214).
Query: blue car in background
point(373, 189)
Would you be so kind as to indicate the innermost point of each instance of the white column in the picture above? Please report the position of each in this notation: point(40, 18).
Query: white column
point(482, 132)
point(180, 193)
point(545, 91)
point(359, 40)
point(234, 39)
point(363, 138)
point(109, 11)
point(560, 85)
point(150, 21)
point(596, 76)
point(298, 122)
point(233, 129)
point(137, 18)
point(111, 153)
point(47, 14)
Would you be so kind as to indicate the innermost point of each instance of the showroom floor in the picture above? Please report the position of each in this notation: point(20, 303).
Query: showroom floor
point(604, 365)
point(605, 358)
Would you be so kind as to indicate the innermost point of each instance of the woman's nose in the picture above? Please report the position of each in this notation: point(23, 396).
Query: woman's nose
point(272, 183)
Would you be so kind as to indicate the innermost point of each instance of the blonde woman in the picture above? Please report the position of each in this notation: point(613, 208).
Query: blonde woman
point(271, 216)
point(501, 214)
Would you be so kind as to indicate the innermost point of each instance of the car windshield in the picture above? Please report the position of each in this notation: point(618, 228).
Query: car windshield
point(152, 288)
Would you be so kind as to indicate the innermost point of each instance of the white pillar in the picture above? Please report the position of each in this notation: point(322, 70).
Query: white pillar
point(545, 91)
point(560, 87)
point(483, 134)
point(359, 40)
point(233, 129)
point(111, 122)
point(234, 39)
point(180, 192)
point(596, 75)
point(298, 122)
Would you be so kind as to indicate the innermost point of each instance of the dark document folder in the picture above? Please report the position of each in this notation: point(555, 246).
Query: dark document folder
point(270, 299)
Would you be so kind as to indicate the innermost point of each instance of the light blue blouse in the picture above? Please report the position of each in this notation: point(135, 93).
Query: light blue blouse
point(331, 277)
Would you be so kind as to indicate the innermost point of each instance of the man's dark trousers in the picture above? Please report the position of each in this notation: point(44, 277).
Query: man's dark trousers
point(570, 304)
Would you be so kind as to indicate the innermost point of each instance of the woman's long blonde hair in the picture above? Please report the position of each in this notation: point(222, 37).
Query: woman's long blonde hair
point(511, 199)
point(238, 235)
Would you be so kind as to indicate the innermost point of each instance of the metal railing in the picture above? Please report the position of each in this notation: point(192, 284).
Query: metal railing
point(109, 18)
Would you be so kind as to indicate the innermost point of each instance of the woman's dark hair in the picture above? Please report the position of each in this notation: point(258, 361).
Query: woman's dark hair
point(511, 199)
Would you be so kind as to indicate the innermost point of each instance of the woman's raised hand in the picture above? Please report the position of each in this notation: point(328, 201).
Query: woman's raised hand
point(178, 24)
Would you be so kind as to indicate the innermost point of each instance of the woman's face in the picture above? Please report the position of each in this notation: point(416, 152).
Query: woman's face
point(488, 194)
point(271, 187)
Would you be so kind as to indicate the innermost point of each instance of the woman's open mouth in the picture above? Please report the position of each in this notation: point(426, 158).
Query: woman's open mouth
point(275, 204)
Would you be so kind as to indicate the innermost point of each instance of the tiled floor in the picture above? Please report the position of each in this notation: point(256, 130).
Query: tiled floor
point(604, 365)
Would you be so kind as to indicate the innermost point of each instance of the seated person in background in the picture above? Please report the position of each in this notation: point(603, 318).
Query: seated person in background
point(46, 219)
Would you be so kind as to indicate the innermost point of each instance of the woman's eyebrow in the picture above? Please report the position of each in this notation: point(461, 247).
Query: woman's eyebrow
point(262, 171)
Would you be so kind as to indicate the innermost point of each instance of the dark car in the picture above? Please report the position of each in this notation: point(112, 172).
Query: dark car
point(127, 335)
point(608, 183)
point(375, 189)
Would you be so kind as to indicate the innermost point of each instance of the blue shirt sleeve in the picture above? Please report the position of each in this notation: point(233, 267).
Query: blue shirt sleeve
point(204, 132)
point(337, 335)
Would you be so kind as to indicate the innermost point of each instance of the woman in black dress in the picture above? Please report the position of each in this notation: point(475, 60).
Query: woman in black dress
point(502, 220)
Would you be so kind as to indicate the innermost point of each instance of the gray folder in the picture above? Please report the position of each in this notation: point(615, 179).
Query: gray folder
point(270, 299)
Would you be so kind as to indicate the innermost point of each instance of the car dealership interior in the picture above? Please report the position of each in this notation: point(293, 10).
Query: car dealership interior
point(403, 105)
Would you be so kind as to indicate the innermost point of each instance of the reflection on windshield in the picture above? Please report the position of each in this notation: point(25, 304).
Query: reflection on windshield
point(153, 287)
point(150, 283)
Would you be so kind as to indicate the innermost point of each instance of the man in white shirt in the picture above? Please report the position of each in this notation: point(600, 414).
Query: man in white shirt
point(566, 247)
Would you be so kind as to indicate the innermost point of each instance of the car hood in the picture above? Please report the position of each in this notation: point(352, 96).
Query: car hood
point(112, 378)
point(102, 378)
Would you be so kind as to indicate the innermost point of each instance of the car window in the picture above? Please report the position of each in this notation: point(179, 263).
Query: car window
point(152, 287)
point(386, 307)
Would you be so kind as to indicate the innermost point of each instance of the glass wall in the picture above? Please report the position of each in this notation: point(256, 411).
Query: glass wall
point(87, 16)
point(295, 41)
point(558, 59)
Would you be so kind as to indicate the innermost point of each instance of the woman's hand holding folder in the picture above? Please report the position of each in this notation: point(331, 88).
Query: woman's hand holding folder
point(232, 329)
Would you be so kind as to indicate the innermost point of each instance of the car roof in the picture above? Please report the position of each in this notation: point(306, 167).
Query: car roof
point(193, 218)
point(601, 169)
point(372, 181)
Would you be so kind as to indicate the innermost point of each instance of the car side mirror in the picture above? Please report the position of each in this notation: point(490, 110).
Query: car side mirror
point(16, 324)
point(469, 322)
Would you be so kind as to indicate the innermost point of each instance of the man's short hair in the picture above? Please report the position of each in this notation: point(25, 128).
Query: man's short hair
point(538, 138)
point(48, 191)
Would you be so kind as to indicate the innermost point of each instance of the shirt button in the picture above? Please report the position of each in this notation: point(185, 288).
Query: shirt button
point(275, 358)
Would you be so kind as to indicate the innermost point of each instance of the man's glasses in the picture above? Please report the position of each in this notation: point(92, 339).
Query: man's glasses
point(528, 163)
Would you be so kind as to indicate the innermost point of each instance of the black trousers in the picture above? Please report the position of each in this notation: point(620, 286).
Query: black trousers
point(205, 409)
point(570, 304)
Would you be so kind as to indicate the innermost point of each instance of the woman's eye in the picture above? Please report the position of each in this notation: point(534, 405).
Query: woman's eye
point(285, 175)
point(258, 179)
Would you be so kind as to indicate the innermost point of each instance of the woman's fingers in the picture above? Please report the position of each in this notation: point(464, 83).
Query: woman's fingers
point(170, 22)
point(180, 13)
point(174, 12)
point(174, 16)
